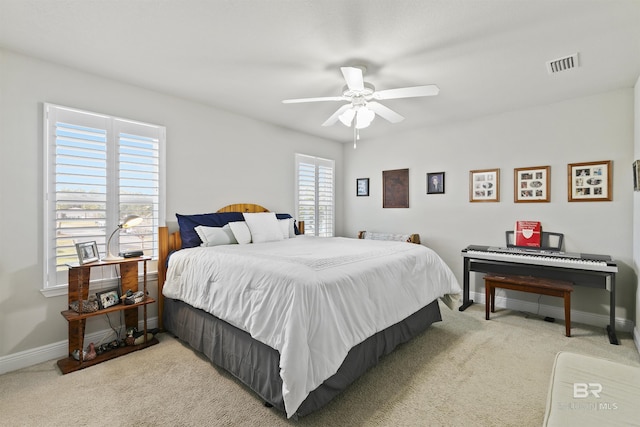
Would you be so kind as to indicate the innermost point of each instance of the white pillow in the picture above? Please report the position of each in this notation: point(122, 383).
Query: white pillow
point(286, 226)
point(264, 227)
point(241, 232)
point(214, 236)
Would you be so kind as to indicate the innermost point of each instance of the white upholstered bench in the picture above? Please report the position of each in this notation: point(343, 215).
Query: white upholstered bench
point(589, 391)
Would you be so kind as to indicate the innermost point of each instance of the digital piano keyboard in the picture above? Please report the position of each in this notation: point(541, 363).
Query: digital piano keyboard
point(591, 270)
point(544, 257)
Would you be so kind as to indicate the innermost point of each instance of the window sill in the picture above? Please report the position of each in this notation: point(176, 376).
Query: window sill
point(56, 291)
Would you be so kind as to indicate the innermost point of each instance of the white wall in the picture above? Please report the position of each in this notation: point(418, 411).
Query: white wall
point(636, 212)
point(588, 129)
point(213, 159)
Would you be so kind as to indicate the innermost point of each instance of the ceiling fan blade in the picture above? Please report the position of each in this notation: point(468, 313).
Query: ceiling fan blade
point(384, 112)
point(323, 98)
point(334, 117)
point(353, 77)
point(407, 92)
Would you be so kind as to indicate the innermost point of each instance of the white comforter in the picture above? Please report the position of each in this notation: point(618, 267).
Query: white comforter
point(310, 298)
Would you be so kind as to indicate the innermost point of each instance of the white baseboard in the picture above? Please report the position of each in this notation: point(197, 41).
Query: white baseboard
point(623, 325)
point(56, 350)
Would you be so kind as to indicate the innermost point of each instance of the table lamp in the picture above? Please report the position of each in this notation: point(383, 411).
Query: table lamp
point(128, 222)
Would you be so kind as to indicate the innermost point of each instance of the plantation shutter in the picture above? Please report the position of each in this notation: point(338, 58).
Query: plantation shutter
point(315, 197)
point(99, 169)
point(139, 184)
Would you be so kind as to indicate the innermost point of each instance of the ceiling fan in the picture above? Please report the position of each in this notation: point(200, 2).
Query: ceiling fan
point(362, 100)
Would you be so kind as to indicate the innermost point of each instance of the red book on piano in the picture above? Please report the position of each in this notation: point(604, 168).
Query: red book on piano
point(527, 233)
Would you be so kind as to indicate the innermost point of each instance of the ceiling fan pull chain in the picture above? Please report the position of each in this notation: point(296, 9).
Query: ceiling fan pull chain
point(356, 135)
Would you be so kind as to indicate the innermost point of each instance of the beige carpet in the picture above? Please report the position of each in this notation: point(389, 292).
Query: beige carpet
point(463, 371)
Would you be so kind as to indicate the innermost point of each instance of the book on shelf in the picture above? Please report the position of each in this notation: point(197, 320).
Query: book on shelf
point(527, 233)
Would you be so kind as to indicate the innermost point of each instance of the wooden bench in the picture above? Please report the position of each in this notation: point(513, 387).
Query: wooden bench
point(536, 285)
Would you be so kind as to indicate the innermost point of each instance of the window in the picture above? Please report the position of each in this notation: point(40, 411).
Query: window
point(98, 170)
point(315, 194)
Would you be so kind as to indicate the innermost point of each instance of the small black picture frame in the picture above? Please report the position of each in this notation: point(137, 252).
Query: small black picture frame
point(108, 298)
point(362, 186)
point(87, 252)
point(435, 183)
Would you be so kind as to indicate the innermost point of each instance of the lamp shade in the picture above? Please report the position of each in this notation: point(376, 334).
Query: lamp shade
point(360, 116)
point(131, 221)
point(128, 222)
point(347, 117)
point(364, 117)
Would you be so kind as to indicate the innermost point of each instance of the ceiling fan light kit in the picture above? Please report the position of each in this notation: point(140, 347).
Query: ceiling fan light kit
point(361, 97)
point(362, 115)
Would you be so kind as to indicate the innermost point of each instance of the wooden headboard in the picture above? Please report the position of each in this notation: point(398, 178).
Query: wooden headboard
point(244, 208)
point(170, 242)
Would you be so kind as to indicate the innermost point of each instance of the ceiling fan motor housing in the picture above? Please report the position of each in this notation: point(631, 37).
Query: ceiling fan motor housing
point(366, 92)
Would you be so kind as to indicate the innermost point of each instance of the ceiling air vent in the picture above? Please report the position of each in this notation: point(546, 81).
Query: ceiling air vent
point(562, 64)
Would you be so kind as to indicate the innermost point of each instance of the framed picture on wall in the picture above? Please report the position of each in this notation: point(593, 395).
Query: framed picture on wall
point(395, 188)
point(484, 185)
point(531, 185)
point(590, 181)
point(435, 183)
point(636, 175)
point(362, 187)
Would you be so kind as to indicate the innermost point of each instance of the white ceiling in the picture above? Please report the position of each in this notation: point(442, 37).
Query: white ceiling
point(245, 56)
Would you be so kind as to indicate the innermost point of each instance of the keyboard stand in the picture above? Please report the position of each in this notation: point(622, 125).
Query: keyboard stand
point(583, 276)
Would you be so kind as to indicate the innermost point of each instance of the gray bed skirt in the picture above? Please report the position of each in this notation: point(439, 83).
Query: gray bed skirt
point(257, 365)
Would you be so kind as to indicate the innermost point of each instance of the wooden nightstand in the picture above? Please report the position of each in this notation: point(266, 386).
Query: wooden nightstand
point(79, 291)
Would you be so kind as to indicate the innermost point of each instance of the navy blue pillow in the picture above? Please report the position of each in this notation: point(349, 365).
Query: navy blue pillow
point(188, 223)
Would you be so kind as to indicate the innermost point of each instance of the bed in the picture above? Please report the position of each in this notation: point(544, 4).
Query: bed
point(296, 318)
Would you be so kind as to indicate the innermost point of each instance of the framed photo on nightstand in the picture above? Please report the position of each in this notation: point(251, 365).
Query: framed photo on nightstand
point(87, 252)
point(108, 298)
